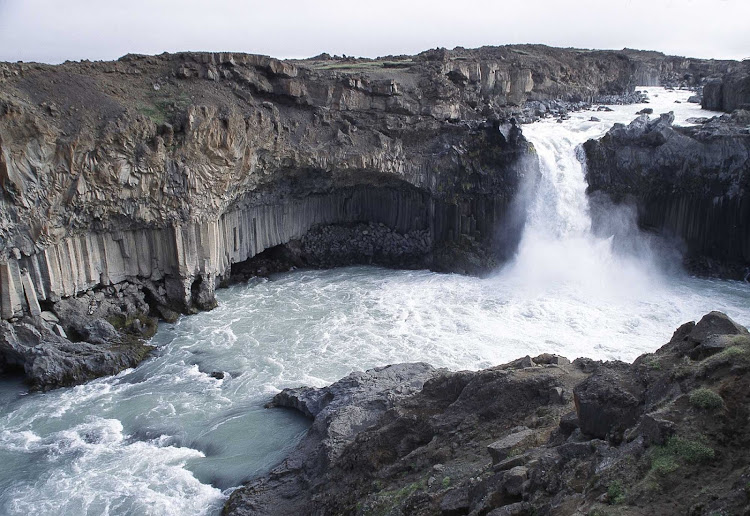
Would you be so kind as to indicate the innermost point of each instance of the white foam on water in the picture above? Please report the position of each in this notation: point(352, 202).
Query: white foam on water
point(93, 469)
point(167, 438)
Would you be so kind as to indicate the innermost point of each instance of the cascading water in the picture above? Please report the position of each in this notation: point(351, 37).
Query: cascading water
point(168, 438)
point(558, 245)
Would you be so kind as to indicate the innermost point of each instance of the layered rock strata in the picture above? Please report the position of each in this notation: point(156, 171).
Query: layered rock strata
point(667, 434)
point(688, 183)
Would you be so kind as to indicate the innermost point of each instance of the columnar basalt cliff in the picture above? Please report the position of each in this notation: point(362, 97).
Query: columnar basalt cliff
point(144, 180)
point(692, 183)
point(730, 92)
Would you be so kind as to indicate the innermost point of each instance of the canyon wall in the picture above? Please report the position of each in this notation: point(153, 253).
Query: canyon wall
point(167, 169)
point(691, 183)
point(730, 92)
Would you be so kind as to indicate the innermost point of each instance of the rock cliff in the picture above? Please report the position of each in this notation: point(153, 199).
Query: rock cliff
point(730, 92)
point(667, 434)
point(692, 183)
point(156, 174)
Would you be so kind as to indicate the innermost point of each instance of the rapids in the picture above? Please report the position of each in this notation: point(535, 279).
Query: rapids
point(170, 438)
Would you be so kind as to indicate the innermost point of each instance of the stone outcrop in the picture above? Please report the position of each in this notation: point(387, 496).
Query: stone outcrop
point(691, 183)
point(728, 93)
point(667, 434)
point(166, 172)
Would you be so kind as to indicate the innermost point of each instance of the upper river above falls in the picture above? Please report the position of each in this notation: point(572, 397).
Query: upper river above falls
point(170, 438)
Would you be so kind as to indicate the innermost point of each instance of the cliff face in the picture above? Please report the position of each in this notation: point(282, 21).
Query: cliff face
point(730, 92)
point(170, 168)
point(159, 173)
point(692, 183)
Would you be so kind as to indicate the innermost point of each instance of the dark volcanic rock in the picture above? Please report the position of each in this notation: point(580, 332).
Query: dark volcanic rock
point(609, 401)
point(49, 360)
point(340, 412)
point(381, 445)
point(691, 183)
point(371, 428)
point(728, 93)
point(99, 333)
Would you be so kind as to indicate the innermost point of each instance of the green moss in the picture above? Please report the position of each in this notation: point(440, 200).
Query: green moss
point(668, 458)
point(125, 325)
point(446, 482)
point(653, 363)
point(408, 489)
point(162, 105)
point(387, 500)
point(706, 399)
point(664, 465)
point(681, 372)
point(693, 452)
point(157, 115)
point(615, 493)
point(734, 352)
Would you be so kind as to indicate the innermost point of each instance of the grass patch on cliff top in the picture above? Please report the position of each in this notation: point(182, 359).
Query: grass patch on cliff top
point(162, 105)
point(157, 115)
point(736, 354)
point(128, 324)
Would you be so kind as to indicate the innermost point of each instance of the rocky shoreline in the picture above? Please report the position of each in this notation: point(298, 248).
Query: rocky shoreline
point(667, 434)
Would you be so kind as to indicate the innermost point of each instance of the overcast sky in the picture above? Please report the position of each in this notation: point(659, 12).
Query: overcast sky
point(57, 30)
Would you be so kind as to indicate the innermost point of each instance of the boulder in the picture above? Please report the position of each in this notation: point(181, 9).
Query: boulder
point(49, 360)
point(514, 480)
point(728, 93)
point(455, 502)
point(100, 331)
point(501, 449)
point(608, 402)
point(550, 358)
point(670, 176)
point(513, 509)
point(568, 423)
point(654, 429)
point(715, 324)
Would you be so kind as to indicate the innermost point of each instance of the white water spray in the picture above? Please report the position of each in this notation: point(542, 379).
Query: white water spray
point(558, 247)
